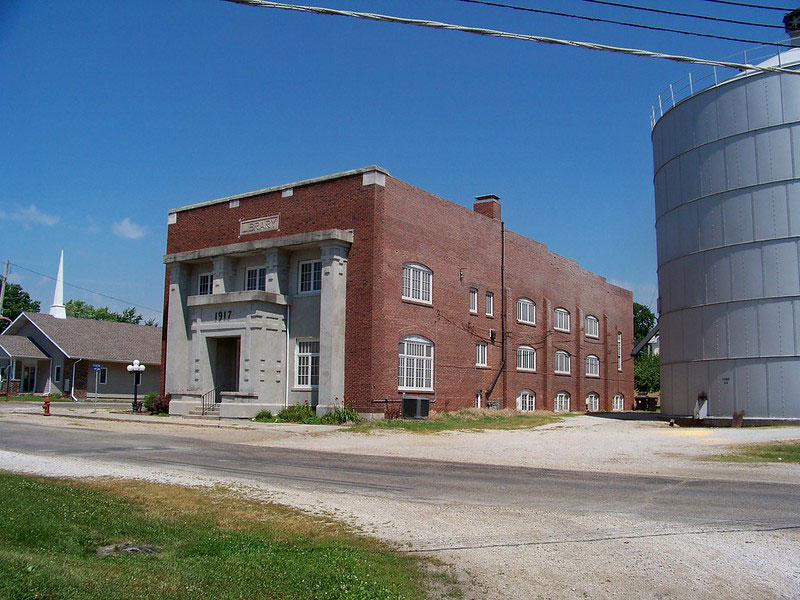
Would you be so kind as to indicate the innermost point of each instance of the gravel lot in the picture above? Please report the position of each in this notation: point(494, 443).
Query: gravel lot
point(504, 552)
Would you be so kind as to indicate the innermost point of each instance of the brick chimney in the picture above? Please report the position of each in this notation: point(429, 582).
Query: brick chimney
point(488, 206)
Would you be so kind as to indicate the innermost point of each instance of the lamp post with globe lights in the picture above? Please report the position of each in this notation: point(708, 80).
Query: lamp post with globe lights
point(137, 370)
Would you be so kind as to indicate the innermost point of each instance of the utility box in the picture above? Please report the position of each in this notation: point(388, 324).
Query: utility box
point(415, 408)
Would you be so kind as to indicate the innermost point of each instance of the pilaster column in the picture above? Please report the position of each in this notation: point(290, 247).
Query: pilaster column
point(224, 273)
point(332, 323)
point(277, 263)
point(177, 324)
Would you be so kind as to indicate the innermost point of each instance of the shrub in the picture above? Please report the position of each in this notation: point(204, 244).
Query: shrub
point(298, 413)
point(55, 396)
point(341, 415)
point(155, 404)
point(264, 416)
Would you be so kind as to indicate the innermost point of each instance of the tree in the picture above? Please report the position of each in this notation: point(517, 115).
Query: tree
point(15, 301)
point(82, 310)
point(647, 373)
point(643, 321)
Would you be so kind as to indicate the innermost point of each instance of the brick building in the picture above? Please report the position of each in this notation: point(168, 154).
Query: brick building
point(358, 287)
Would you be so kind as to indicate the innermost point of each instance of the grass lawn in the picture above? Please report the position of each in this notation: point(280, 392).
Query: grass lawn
point(215, 545)
point(471, 418)
point(34, 398)
point(787, 452)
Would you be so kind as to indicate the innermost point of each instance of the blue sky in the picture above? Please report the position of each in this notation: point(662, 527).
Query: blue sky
point(114, 112)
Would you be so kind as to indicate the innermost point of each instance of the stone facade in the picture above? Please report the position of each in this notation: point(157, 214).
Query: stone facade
point(363, 226)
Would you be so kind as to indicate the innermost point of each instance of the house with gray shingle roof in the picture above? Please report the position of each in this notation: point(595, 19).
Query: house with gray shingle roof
point(42, 354)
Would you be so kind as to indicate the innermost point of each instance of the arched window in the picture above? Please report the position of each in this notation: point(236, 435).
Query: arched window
point(526, 311)
point(592, 327)
point(592, 402)
point(417, 282)
point(562, 362)
point(561, 402)
point(618, 403)
point(526, 358)
point(526, 400)
point(561, 319)
point(415, 364)
point(592, 366)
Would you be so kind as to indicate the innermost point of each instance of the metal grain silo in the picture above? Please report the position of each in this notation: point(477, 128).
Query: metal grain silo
point(727, 193)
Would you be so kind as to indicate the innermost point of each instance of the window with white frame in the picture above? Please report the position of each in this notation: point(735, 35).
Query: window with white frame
point(473, 300)
point(480, 354)
point(561, 319)
point(561, 402)
point(562, 362)
point(526, 401)
point(489, 304)
point(307, 364)
point(592, 402)
point(415, 364)
point(417, 283)
point(104, 376)
point(526, 311)
point(592, 366)
point(526, 358)
point(618, 403)
point(619, 352)
point(204, 284)
point(309, 276)
point(256, 279)
point(57, 377)
point(592, 327)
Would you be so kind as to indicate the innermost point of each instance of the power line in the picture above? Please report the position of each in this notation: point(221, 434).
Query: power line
point(513, 36)
point(627, 24)
point(681, 14)
point(87, 290)
point(746, 5)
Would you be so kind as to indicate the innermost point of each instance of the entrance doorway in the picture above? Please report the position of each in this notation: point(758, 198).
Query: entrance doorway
point(28, 381)
point(223, 354)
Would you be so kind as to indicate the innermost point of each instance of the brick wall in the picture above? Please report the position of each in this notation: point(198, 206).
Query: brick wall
point(400, 223)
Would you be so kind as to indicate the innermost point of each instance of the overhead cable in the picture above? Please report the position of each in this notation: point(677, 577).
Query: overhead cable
point(681, 14)
point(747, 5)
point(627, 24)
point(513, 36)
point(88, 290)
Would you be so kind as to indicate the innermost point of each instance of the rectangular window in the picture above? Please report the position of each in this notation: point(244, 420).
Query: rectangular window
point(526, 311)
point(489, 304)
point(561, 320)
point(310, 276)
point(204, 284)
point(561, 403)
point(256, 279)
point(57, 378)
point(480, 354)
point(307, 364)
point(592, 366)
point(415, 365)
point(592, 327)
point(473, 300)
point(562, 363)
point(417, 282)
point(104, 375)
point(619, 352)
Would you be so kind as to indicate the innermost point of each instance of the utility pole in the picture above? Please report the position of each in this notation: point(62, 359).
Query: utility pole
point(3, 287)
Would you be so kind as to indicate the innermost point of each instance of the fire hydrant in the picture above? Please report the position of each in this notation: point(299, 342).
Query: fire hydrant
point(46, 406)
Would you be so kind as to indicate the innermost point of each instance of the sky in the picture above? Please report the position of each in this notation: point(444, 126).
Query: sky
point(114, 112)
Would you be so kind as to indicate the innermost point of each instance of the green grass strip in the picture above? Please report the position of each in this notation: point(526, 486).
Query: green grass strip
point(463, 420)
point(785, 452)
point(215, 545)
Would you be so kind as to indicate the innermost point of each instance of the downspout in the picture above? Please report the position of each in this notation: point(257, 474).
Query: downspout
point(286, 368)
point(72, 383)
point(502, 367)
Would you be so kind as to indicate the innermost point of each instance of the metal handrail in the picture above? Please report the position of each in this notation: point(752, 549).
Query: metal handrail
point(706, 77)
point(210, 401)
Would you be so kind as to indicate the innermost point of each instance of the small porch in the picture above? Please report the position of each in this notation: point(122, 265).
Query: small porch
point(24, 367)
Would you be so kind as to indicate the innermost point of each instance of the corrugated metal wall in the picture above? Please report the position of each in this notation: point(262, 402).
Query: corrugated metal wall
point(727, 191)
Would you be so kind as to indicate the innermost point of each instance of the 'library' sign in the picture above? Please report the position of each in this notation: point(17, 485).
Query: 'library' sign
point(259, 225)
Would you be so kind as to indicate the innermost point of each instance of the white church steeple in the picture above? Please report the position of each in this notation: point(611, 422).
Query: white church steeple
point(57, 309)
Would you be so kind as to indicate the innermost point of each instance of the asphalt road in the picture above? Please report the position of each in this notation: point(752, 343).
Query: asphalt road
point(727, 504)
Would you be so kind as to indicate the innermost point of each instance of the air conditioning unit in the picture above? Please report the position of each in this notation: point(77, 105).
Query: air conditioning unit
point(415, 408)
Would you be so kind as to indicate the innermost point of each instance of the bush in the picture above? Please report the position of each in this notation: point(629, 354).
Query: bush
point(341, 415)
point(264, 416)
point(298, 413)
point(155, 404)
